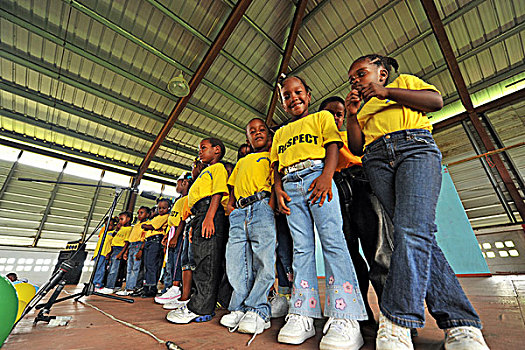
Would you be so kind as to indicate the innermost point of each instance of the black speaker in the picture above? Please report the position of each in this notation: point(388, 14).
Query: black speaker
point(73, 276)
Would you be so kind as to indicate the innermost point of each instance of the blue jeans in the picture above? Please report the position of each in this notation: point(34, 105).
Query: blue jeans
point(173, 269)
point(133, 265)
point(343, 296)
point(250, 258)
point(98, 279)
point(153, 252)
point(186, 260)
point(404, 169)
point(114, 265)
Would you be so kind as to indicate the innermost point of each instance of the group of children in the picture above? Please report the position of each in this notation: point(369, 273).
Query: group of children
point(308, 176)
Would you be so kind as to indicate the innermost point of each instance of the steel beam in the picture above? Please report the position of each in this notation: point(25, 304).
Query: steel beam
point(290, 43)
point(91, 139)
point(21, 142)
point(459, 82)
point(116, 28)
point(48, 207)
point(10, 175)
point(203, 68)
point(314, 11)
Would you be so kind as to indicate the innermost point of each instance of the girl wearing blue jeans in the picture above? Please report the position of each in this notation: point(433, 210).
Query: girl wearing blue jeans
point(304, 156)
point(403, 165)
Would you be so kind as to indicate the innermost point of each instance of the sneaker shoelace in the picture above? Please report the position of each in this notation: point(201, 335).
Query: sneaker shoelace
point(340, 325)
point(299, 320)
point(458, 334)
point(233, 329)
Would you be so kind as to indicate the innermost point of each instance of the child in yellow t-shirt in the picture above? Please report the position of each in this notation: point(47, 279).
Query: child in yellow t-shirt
point(403, 163)
point(133, 251)
point(153, 250)
point(117, 250)
point(304, 157)
point(100, 270)
point(204, 199)
point(250, 251)
point(173, 243)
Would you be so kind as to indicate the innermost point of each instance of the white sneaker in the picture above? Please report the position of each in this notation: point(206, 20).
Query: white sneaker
point(105, 290)
point(175, 304)
point(232, 319)
point(464, 338)
point(297, 329)
point(391, 336)
point(171, 294)
point(181, 316)
point(253, 323)
point(341, 333)
point(124, 292)
point(279, 306)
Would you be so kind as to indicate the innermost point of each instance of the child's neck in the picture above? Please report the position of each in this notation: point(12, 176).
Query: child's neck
point(263, 149)
point(184, 193)
point(213, 161)
point(297, 117)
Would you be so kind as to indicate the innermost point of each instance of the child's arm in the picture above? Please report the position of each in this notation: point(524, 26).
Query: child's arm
point(322, 186)
point(355, 136)
point(147, 227)
point(180, 230)
point(108, 255)
point(208, 228)
point(121, 254)
point(272, 198)
point(280, 195)
point(421, 100)
point(231, 201)
point(125, 250)
point(138, 256)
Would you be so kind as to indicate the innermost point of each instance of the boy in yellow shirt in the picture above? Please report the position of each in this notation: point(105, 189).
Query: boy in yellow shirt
point(117, 250)
point(207, 245)
point(100, 270)
point(250, 251)
point(153, 250)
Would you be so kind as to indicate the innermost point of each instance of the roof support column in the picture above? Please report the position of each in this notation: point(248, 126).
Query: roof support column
point(290, 43)
point(461, 87)
point(10, 175)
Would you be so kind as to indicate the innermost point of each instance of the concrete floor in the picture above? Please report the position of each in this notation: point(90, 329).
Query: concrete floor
point(500, 301)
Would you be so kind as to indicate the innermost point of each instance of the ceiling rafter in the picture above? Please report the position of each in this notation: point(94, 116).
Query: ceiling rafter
point(453, 66)
point(290, 43)
point(117, 29)
point(83, 53)
point(206, 40)
point(88, 138)
point(210, 56)
point(95, 91)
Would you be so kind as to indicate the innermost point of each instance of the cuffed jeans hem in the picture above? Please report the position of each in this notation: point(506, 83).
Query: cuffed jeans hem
point(347, 316)
point(188, 267)
point(303, 312)
point(264, 315)
point(459, 323)
point(402, 321)
point(238, 308)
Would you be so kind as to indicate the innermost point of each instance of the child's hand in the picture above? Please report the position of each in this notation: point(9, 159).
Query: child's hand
point(374, 90)
point(119, 256)
point(125, 256)
point(229, 208)
point(352, 102)
point(282, 197)
point(164, 240)
point(190, 235)
point(108, 256)
point(208, 228)
point(321, 187)
point(138, 256)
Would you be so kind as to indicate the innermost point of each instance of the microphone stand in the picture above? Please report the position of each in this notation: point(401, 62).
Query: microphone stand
point(58, 276)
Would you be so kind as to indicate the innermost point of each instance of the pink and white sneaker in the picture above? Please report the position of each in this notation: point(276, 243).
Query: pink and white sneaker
point(170, 295)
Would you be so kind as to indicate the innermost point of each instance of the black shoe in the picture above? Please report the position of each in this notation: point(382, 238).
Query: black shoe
point(138, 292)
point(149, 292)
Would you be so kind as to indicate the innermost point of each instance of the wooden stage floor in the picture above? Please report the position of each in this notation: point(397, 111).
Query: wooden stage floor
point(500, 301)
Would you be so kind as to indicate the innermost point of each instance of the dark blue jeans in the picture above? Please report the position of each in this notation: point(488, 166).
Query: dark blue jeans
point(153, 253)
point(173, 269)
point(284, 257)
point(404, 169)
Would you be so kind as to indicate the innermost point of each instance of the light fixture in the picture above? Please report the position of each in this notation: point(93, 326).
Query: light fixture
point(178, 86)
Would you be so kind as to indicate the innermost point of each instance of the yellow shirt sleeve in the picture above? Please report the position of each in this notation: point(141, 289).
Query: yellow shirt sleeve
point(186, 212)
point(380, 117)
point(160, 222)
point(175, 214)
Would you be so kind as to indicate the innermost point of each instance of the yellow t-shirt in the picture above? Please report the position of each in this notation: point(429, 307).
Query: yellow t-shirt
point(380, 117)
point(346, 158)
point(212, 180)
point(251, 174)
point(304, 139)
point(120, 237)
point(185, 212)
point(107, 243)
point(176, 213)
point(159, 222)
point(136, 234)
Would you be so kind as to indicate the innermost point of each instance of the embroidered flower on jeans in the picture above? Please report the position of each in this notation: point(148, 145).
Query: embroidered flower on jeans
point(340, 304)
point(312, 302)
point(304, 284)
point(347, 286)
point(331, 280)
point(298, 303)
